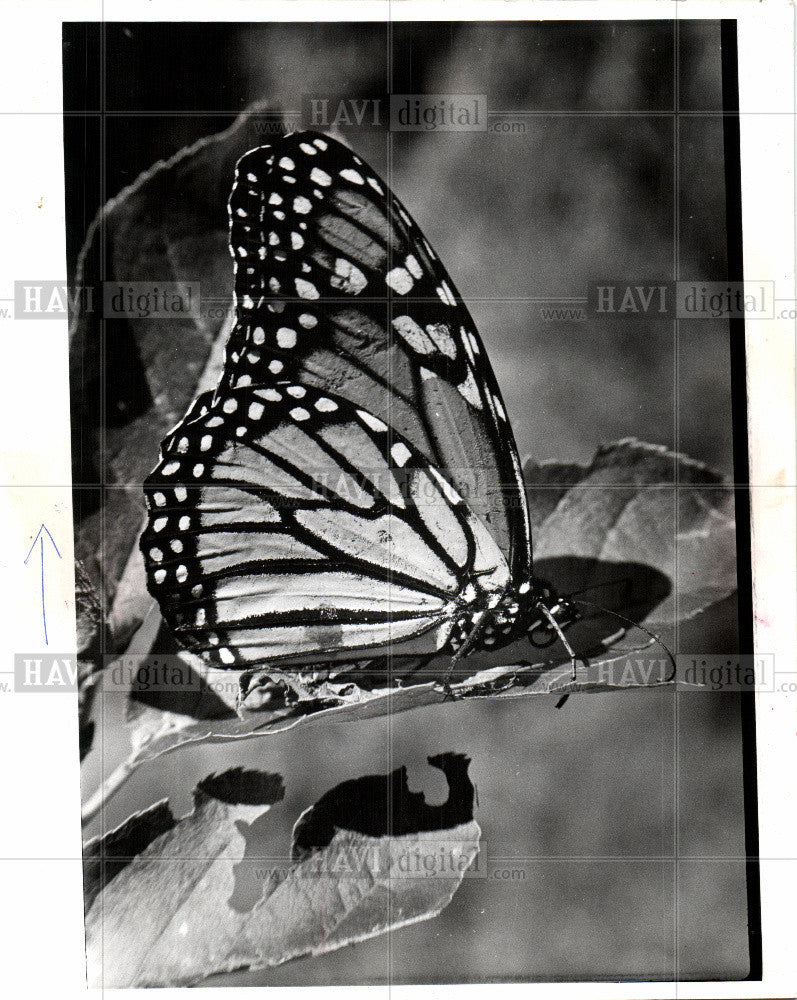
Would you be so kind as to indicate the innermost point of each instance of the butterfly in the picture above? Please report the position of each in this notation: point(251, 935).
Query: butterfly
point(351, 490)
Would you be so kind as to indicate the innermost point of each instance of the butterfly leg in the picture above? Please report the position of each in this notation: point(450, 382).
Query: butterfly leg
point(543, 609)
point(448, 692)
point(463, 650)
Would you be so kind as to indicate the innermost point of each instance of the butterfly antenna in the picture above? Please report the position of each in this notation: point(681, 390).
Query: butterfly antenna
point(629, 621)
point(542, 607)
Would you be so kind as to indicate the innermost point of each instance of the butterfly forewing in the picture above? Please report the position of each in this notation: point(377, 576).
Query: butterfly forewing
point(337, 288)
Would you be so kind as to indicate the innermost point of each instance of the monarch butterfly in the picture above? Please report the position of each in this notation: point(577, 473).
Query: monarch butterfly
point(351, 489)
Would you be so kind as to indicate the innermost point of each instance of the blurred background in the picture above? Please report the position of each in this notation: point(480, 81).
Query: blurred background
point(624, 812)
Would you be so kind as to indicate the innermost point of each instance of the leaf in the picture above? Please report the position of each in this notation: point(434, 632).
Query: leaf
point(92, 637)
point(105, 857)
point(642, 503)
point(183, 907)
point(607, 532)
point(170, 225)
point(595, 527)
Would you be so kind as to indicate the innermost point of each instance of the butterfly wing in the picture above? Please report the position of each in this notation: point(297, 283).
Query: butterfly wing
point(337, 288)
point(287, 524)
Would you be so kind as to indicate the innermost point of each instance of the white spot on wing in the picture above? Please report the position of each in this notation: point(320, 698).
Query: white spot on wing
point(413, 266)
point(286, 338)
point(468, 391)
point(301, 205)
point(348, 277)
point(373, 422)
point(318, 176)
point(399, 280)
point(351, 175)
point(467, 346)
point(306, 289)
point(408, 329)
point(400, 453)
point(441, 335)
point(272, 395)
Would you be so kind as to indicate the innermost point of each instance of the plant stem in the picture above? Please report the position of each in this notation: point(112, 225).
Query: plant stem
point(109, 787)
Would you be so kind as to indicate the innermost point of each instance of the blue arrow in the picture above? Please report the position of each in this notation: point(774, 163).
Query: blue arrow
point(40, 539)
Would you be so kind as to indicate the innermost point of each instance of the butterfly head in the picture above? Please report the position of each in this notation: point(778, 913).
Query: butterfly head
point(547, 614)
point(487, 621)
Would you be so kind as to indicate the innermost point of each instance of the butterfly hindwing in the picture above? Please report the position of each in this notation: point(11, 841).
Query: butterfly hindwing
point(287, 524)
point(337, 288)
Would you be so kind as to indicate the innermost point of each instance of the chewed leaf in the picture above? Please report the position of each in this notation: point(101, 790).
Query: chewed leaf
point(197, 900)
point(105, 857)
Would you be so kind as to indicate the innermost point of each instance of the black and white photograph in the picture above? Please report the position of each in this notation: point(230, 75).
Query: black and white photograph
point(407, 415)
